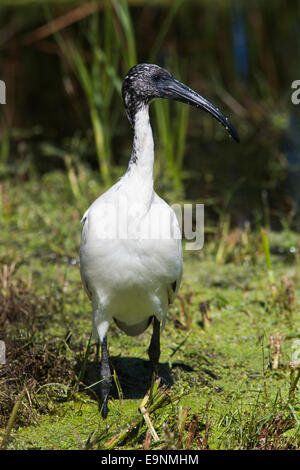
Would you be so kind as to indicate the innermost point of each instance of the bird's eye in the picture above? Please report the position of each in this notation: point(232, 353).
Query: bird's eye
point(156, 77)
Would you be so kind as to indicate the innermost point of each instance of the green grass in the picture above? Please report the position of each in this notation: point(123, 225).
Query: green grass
point(216, 347)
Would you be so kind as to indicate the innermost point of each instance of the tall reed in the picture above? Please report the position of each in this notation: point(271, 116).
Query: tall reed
point(97, 75)
point(111, 51)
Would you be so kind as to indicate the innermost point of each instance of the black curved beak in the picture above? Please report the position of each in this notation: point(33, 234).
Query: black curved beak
point(173, 89)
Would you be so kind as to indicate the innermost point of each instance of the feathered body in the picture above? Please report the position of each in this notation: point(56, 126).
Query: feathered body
point(131, 272)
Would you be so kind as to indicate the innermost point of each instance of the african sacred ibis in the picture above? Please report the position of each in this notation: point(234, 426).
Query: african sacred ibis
point(130, 268)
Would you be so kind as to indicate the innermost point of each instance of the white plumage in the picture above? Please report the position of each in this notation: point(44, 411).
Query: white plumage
point(130, 279)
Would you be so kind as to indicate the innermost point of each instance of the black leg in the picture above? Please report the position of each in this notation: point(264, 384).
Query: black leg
point(96, 358)
point(154, 348)
point(105, 378)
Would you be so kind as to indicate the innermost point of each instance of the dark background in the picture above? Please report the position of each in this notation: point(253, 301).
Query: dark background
point(242, 56)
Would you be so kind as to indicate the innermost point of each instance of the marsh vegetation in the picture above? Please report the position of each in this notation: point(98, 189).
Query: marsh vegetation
point(230, 352)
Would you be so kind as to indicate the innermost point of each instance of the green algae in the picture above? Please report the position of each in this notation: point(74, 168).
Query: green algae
point(219, 372)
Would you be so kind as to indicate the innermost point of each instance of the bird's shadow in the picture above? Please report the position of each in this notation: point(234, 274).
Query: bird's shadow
point(133, 376)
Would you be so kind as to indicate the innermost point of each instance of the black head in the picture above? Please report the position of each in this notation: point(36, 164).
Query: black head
point(144, 82)
point(141, 85)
